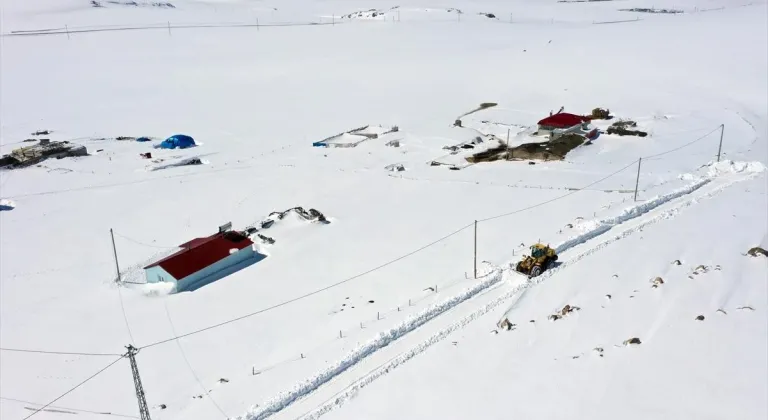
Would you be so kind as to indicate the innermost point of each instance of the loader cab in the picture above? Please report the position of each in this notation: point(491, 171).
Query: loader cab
point(537, 252)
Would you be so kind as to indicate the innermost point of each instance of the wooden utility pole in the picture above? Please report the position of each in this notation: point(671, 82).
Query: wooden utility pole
point(475, 249)
point(720, 147)
point(114, 250)
point(637, 181)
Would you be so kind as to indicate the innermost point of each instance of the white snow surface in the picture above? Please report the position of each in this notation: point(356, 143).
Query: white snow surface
point(357, 318)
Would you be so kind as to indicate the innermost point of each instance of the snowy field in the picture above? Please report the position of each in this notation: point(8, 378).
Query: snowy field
point(378, 314)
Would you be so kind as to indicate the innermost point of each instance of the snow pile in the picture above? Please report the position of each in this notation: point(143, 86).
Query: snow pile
point(602, 226)
point(162, 288)
point(383, 339)
point(731, 167)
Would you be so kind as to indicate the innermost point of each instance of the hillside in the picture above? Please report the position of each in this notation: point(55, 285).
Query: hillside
point(382, 303)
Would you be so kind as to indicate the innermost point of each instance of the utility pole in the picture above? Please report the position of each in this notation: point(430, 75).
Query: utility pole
point(143, 409)
point(475, 249)
point(114, 250)
point(720, 147)
point(637, 181)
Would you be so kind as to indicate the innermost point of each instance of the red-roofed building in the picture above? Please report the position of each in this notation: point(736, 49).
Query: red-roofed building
point(201, 258)
point(561, 121)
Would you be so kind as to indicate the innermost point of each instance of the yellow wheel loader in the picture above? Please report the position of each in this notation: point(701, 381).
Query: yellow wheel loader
point(542, 258)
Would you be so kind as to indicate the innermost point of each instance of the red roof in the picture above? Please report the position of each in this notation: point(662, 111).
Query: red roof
point(202, 252)
point(563, 120)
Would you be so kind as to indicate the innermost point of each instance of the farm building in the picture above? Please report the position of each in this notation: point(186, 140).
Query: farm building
point(203, 260)
point(561, 121)
point(45, 149)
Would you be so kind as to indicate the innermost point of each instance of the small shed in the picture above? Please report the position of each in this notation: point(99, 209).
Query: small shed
point(561, 121)
point(201, 258)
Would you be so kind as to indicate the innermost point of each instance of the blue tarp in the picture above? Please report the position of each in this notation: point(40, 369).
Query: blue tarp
point(179, 140)
point(143, 139)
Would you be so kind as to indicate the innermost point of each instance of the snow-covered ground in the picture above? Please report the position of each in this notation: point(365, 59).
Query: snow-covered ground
point(334, 312)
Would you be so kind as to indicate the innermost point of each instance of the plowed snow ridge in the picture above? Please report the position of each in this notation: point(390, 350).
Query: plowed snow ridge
point(383, 339)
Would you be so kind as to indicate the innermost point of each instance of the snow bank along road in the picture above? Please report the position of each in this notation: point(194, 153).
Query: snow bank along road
point(391, 349)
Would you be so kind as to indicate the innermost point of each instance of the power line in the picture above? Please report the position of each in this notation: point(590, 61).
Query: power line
point(125, 317)
point(678, 148)
point(189, 365)
point(556, 198)
point(75, 387)
point(304, 296)
point(142, 243)
point(63, 353)
point(103, 413)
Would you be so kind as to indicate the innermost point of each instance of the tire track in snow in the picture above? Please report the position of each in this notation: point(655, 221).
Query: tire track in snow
point(383, 339)
point(629, 214)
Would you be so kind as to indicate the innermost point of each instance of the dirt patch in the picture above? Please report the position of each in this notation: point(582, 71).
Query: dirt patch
point(552, 150)
point(621, 128)
point(646, 10)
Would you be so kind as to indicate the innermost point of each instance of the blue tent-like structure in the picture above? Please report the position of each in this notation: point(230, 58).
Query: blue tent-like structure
point(180, 141)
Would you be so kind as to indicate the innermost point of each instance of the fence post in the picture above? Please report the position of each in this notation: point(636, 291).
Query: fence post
point(720, 147)
point(637, 181)
point(475, 263)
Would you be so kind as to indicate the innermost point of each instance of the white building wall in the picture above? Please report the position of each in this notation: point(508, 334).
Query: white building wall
point(157, 274)
point(232, 259)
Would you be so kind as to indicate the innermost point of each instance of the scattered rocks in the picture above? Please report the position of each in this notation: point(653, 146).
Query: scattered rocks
point(42, 133)
point(554, 317)
point(754, 252)
point(608, 297)
point(532, 321)
point(568, 309)
point(599, 351)
point(722, 311)
point(658, 281)
point(632, 341)
point(506, 325)
point(702, 269)
point(746, 307)
point(223, 380)
point(676, 262)
point(370, 301)
point(700, 318)
point(615, 276)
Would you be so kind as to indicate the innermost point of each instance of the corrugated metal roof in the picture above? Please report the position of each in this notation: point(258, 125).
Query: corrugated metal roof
point(563, 120)
point(202, 252)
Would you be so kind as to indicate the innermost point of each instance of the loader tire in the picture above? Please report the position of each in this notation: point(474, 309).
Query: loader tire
point(519, 267)
point(535, 271)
